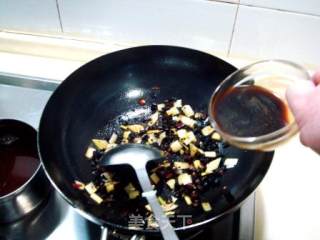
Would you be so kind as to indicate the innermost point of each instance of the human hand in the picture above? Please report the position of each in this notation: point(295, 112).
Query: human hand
point(304, 101)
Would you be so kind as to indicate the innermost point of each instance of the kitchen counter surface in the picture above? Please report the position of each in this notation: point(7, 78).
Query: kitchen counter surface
point(287, 205)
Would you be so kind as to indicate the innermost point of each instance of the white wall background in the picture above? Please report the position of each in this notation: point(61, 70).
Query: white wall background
point(242, 28)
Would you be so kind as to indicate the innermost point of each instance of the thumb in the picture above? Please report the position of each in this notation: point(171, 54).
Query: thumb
point(297, 96)
point(316, 77)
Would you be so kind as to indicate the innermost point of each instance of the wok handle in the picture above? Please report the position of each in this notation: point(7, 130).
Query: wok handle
point(165, 226)
point(104, 233)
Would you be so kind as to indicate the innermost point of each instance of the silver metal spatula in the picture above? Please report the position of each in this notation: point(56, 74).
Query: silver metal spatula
point(137, 156)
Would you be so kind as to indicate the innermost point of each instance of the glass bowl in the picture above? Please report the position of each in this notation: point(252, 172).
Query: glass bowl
point(274, 76)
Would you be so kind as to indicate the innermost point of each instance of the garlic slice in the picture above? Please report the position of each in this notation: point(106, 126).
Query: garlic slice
point(176, 146)
point(187, 110)
point(89, 153)
point(206, 131)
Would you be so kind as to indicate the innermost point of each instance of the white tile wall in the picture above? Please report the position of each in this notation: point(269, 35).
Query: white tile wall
point(266, 33)
point(229, 1)
point(199, 24)
point(29, 15)
point(302, 6)
point(260, 30)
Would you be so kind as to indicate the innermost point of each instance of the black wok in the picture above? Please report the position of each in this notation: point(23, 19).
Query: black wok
point(110, 86)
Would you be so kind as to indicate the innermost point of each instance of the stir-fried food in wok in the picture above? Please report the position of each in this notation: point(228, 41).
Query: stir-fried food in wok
point(194, 160)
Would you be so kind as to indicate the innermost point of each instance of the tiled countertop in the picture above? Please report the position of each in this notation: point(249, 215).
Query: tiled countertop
point(287, 205)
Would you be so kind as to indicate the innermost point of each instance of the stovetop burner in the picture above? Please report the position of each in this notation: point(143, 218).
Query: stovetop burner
point(24, 98)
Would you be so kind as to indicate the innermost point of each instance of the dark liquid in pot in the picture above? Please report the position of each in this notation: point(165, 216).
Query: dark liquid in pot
point(18, 162)
point(249, 111)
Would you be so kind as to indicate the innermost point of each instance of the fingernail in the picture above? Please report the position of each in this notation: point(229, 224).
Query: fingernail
point(316, 77)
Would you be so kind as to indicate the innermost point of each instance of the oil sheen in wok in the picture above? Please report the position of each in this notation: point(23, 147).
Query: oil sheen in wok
point(249, 111)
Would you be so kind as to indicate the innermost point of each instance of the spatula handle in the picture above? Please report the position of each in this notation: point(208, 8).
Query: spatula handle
point(165, 226)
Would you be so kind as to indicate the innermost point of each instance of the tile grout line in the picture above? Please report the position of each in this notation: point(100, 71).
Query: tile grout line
point(56, 37)
point(280, 10)
point(59, 16)
point(61, 37)
point(233, 30)
point(223, 1)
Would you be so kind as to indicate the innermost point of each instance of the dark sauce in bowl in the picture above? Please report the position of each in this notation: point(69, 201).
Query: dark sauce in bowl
point(249, 111)
point(18, 158)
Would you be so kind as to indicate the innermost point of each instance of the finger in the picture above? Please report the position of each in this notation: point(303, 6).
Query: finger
point(316, 78)
point(297, 96)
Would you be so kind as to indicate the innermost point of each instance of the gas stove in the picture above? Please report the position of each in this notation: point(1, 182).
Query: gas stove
point(24, 98)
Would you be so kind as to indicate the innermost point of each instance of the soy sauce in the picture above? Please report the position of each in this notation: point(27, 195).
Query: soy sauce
point(18, 161)
point(249, 111)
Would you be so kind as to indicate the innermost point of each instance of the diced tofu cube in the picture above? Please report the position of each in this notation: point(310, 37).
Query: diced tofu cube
point(168, 207)
point(206, 206)
point(152, 139)
point(153, 119)
point(187, 199)
point(109, 186)
point(193, 150)
point(178, 103)
point(197, 164)
point(184, 179)
point(89, 153)
point(198, 115)
point(151, 223)
point(136, 128)
point(153, 131)
point(148, 207)
point(181, 165)
point(154, 177)
point(205, 173)
point(113, 138)
point(169, 213)
point(173, 111)
point(190, 138)
point(126, 134)
point(206, 131)
point(165, 164)
point(216, 136)
point(110, 146)
point(182, 133)
point(96, 198)
point(161, 200)
point(210, 154)
point(161, 137)
point(175, 118)
point(133, 194)
point(160, 106)
point(213, 165)
point(187, 110)
point(176, 146)
point(90, 188)
point(187, 121)
point(200, 151)
point(100, 143)
point(230, 162)
point(173, 199)
point(137, 140)
point(131, 191)
point(171, 183)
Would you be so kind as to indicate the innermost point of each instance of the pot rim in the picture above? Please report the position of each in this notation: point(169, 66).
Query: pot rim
point(24, 185)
